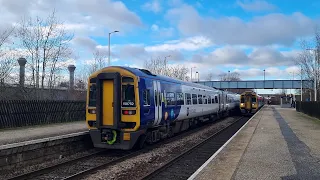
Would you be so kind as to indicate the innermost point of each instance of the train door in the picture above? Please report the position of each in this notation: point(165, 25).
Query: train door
point(221, 101)
point(249, 101)
point(157, 102)
point(107, 103)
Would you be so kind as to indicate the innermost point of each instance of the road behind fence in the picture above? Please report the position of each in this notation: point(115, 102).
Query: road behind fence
point(18, 113)
point(311, 108)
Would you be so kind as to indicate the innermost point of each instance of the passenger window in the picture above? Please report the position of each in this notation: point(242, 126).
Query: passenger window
point(216, 99)
point(146, 97)
point(170, 97)
point(188, 98)
point(180, 99)
point(194, 99)
point(200, 99)
point(209, 99)
point(205, 100)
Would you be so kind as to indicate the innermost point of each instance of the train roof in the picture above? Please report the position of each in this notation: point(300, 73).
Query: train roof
point(146, 73)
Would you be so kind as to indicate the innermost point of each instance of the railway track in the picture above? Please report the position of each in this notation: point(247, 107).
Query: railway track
point(183, 165)
point(80, 167)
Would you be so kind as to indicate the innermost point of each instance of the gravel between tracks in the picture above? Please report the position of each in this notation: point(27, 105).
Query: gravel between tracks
point(136, 167)
point(5, 174)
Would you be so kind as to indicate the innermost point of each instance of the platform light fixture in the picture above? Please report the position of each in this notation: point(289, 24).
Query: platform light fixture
point(109, 46)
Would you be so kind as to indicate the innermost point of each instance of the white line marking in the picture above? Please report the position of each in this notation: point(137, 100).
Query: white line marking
point(220, 149)
point(42, 140)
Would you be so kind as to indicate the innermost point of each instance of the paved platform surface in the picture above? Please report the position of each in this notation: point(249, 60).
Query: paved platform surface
point(278, 143)
point(22, 134)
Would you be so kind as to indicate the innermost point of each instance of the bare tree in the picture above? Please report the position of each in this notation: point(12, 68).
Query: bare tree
point(234, 76)
point(47, 44)
point(99, 58)
point(5, 34)
point(308, 59)
point(6, 56)
point(209, 77)
point(161, 67)
point(187, 78)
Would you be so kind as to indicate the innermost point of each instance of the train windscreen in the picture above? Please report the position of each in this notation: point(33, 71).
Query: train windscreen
point(92, 96)
point(128, 96)
point(254, 99)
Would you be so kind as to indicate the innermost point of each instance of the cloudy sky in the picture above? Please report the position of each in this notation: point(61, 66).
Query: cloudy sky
point(245, 36)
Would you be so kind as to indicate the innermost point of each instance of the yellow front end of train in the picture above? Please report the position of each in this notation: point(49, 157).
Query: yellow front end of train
point(249, 103)
point(112, 109)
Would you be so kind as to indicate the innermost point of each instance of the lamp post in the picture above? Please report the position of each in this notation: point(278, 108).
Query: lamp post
point(264, 78)
point(109, 46)
point(315, 74)
point(301, 85)
point(191, 72)
point(165, 63)
point(198, 75)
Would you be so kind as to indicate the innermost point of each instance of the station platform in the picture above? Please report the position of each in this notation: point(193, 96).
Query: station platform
point(23, 134)
point(277, 143)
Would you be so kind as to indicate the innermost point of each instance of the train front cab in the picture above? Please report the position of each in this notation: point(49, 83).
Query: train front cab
point(113, 111)
point(248, 103)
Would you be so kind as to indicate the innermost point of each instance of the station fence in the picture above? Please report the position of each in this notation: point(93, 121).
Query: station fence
point(311, 108)
point(18, 113)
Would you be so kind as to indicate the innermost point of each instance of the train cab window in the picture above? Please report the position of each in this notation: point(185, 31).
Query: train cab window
point(170, 98)
point(254, 99)
point(128, 96)
point(194, 99)
point(92, 95)
point(209, 99)
point(146, 97)
point(216, 99)
point(242, 99)
point(204, 99)
point(200, 99)
point(180, 99)
point(188, 98)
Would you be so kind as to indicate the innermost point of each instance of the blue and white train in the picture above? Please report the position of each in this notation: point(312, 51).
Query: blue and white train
point(128, 107)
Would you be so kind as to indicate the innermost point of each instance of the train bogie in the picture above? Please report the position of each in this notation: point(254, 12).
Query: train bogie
point(129, 106)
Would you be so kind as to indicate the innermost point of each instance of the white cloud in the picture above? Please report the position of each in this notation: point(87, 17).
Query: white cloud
point(153, 6)
point(154, 27)
point(80, 16)
point(236, 57)
point(161, 32)
point(269, 29)
point(256, 5)
point(190, 44)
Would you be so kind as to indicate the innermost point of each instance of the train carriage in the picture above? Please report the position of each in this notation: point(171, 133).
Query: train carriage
point(130, 106)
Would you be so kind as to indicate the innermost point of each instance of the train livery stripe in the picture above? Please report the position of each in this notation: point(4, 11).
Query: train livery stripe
point(160, 103)
point(156, 109)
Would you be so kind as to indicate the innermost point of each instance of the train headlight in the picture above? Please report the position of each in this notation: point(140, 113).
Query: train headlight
point(92, 111)
point(129, 112)
point(241, 104)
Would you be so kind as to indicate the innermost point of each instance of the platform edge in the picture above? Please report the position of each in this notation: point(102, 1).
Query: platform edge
point(220, 149)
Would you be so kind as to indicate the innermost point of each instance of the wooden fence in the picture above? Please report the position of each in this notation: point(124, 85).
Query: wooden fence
point(18, 113)
point(312, 108)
